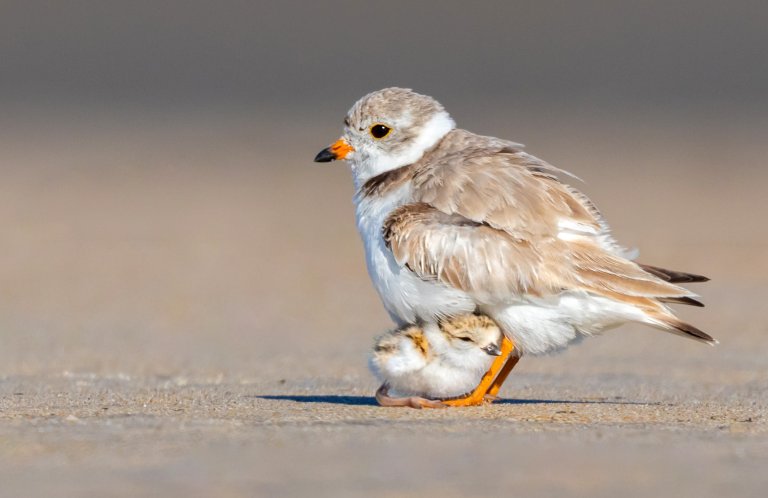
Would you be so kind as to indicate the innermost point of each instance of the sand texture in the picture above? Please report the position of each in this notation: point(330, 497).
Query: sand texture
point(185, 312)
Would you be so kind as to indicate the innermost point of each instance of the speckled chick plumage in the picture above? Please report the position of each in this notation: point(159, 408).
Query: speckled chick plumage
point(436, 360)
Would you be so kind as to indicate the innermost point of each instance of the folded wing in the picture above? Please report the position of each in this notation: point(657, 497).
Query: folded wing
point(501, 226)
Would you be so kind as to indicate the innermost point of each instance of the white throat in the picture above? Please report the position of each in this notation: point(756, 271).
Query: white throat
point(435, 129)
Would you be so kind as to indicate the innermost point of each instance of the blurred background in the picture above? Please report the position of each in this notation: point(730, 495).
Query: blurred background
point(163, 219)
point(160, 206)
point(171, 253)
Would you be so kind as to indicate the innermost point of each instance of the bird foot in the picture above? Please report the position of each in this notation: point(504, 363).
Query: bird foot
point(470, 399)
point(384, 399)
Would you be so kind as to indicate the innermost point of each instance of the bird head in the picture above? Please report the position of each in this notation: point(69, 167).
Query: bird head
point(386, 130)
point(473, 333)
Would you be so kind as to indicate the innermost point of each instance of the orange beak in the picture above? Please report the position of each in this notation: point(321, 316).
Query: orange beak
point(338, 150)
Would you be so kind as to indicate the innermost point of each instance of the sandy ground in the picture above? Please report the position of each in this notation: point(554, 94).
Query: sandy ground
point(186, 312)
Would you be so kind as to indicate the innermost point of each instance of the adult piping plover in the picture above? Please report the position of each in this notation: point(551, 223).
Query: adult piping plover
point(421, 364)
point(455, 222)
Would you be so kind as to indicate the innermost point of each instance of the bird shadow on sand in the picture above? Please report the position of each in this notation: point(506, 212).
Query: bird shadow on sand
point(512, 401)
point(371, 401)
point(334, 399)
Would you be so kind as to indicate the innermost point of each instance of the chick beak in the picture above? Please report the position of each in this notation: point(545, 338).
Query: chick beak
point(492, 349)
point(339, 150)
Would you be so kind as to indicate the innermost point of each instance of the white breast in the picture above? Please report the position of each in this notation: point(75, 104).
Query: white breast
point(406, 297)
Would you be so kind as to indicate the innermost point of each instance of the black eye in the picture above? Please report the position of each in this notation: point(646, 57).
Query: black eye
point(346, 122)
point(380, 131)
point(465, 339)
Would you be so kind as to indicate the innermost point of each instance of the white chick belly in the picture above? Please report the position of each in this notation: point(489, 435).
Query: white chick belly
point(435, 381)
point(442, 382)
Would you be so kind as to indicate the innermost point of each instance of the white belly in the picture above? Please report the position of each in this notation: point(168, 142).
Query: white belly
point(406, 297)
point(539, 326)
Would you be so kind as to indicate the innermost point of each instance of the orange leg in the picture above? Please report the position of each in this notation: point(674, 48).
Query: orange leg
point(503, 374)
point(492, 380)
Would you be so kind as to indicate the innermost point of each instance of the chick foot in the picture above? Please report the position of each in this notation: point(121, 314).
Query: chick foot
point(384, 399)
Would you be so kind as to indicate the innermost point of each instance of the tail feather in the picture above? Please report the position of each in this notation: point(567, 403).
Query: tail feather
point(682, 300)
point(674, 277)
point(687, 330)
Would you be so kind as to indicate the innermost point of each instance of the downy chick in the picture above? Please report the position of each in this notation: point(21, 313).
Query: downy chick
point(448, 359)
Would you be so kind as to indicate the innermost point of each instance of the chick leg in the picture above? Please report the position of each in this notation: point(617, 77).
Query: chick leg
point(384, 399)
point(488, 382)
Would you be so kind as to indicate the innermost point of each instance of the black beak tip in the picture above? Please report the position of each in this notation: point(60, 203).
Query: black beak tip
point(493, 350)
point(325, 156)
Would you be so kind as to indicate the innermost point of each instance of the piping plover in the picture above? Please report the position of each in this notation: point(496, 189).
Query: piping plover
point(453, 222)
point(421, 364)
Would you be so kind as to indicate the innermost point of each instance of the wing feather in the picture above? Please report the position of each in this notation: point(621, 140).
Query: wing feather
point(497, 223)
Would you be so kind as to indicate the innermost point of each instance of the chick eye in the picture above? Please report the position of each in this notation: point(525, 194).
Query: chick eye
point(379, 131)
point(465, 339)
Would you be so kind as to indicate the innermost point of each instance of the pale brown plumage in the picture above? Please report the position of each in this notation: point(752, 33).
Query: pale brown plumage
point(454, 222)
point(489, 219)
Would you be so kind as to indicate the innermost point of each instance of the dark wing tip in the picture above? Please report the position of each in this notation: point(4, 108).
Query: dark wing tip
point(674, 277)
point(682, 300)
point(690, 331)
